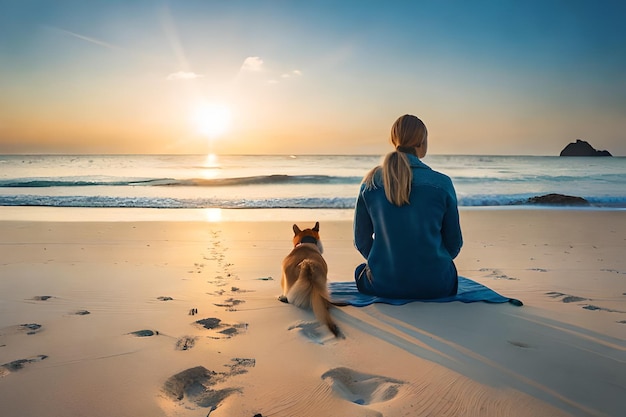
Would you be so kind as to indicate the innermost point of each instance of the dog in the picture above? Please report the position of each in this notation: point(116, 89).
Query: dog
point(305, 275)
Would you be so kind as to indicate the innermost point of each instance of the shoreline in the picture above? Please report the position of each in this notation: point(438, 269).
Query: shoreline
point(562, 354)
point(216, 215)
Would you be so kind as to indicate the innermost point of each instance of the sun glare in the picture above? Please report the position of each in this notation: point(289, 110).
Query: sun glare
point(212, 120)
point(213, 215)
point(211, 161)
point(211, 166)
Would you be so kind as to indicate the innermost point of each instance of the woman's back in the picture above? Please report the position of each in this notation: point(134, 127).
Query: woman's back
point(406, 222)
point(411, 254)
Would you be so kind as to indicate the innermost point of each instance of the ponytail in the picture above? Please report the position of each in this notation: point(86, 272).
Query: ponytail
point(407, 134)
point(396, 175)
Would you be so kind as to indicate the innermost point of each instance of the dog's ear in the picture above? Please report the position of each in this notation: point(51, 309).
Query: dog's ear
point(317, 227)
point(296, 229)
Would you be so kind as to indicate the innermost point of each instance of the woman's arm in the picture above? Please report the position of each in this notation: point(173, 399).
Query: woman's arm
point(451, 227)
point(363, 227)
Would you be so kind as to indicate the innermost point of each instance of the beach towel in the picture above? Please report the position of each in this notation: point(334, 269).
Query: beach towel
point(346, 293)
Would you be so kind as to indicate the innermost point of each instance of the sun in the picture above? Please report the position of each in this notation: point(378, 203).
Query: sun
point(212, 120)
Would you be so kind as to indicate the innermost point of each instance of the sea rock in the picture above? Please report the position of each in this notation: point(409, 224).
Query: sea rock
point(582, 148)
point(558, 199)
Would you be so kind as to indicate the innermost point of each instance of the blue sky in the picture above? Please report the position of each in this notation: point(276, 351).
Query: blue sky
point(487, 77)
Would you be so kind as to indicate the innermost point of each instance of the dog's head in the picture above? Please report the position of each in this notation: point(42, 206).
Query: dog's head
point(307, 236)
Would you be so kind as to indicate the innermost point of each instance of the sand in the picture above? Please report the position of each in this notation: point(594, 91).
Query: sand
point(181, 318)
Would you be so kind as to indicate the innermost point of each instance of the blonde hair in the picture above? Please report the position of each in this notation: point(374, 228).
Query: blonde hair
point(407, 134)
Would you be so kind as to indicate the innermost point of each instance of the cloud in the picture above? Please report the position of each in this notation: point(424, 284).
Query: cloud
point(252, 63)
point(294, 73)
point(256, 64)
point(183, 75)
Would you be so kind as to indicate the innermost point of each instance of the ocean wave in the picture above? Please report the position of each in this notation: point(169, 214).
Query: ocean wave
point(41, 183)
point(265, 203)
point(160, 202)
point(523, 200)
point(185, 182)
point(538, 179)
point(284, 179)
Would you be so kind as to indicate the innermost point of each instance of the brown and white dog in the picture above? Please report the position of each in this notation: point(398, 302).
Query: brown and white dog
point(305, 275)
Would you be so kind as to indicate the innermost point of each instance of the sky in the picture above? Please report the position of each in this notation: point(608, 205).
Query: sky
point(503, 77)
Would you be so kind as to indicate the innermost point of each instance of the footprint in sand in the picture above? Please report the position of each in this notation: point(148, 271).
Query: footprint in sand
point(229, 304)
point(27, 328)
point(221, 330)
point(16, 365)
point(361, 388)
point(596, 308)
point(310, 330)
point(185, 342)
point(574, 299)
point(144, 333)
point(81, 313)
point(30, 328)
point(219, 281)
point(313, 331)
point(193, 386)
point(496, 274)
point(42, 297)
point(615, 271)
point(519, 344)
point(566, 297)
point(268, 278)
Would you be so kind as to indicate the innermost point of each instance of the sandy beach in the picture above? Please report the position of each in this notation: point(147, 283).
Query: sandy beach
point(181, 318)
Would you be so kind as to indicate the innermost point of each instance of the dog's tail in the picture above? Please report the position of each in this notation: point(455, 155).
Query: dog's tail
point(309, 292)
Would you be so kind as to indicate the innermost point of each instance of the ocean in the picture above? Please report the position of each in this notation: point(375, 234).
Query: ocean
point(276, 182)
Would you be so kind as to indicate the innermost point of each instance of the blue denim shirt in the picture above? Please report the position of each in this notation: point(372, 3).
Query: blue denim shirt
point(409, 249)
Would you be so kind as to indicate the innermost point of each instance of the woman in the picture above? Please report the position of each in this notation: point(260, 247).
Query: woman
point(406, 222)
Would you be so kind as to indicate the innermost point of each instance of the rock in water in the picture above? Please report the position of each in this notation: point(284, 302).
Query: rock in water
point(558, 199)
point(582, 148)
